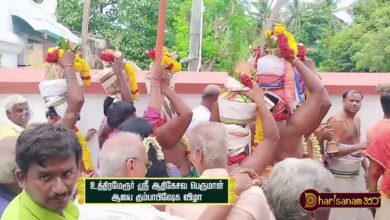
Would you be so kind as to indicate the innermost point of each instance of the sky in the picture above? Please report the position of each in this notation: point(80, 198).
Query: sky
point(342, 14)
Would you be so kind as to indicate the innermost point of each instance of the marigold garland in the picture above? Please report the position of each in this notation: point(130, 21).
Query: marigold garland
point(186, 143)
point(54, 54)
point(132, 78)
point(152, 141)
point(259, 132)
point(109, 56)
point(304, 147)
point(259, 137)
point(302, 52)
point(315, 145)
point(80, 191)
point(316, 148)
point(87, 164)
point(168, 60)
point(280, 39)
point(81, 66)
point(87, 159)
point(279, 30)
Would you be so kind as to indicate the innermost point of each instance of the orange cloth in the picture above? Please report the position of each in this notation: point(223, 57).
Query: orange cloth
point(377, 129)
point(379, 151)
point(269, 80)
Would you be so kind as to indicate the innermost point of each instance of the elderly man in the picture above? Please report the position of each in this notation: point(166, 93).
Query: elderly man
point(9, 188)
point(209, 156)
point(296, 176)
point(203, 111)
point(48, 157)
point(124, 155)
point(18, 114)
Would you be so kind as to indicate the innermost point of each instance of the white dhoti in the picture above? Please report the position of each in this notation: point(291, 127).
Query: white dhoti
point(350, 184)
point(54, 93)
point(383, 213)
point(238, 139)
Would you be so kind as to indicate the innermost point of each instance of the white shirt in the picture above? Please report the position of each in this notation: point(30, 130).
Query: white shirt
point(199, 114)
point(122, 212)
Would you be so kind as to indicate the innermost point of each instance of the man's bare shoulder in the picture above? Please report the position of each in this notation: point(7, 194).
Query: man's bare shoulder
point(357, 118)
point(337, 117)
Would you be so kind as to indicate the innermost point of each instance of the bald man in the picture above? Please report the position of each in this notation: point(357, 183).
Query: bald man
point(202, 112)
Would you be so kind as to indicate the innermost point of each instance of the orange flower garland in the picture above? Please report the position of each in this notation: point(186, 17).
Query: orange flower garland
point(53, 70)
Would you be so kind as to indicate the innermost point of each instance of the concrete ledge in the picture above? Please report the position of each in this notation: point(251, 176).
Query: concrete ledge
point(25, 81)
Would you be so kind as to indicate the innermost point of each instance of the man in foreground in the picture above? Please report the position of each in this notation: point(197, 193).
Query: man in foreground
point(48, 157)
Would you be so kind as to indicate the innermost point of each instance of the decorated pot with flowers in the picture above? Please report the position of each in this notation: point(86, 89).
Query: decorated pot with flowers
point(54, 85)
point(54, 71)
point(108, 79)
point(275, 73)
point(168, 61)
point(235, 107)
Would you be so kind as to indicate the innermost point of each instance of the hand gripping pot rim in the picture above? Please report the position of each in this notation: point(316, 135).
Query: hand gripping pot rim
point(108, 80)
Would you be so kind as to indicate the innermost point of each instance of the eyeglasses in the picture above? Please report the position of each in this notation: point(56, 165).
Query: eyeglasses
point(148, 163)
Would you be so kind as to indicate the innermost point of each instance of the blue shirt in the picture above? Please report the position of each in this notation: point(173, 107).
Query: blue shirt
point(6, 197)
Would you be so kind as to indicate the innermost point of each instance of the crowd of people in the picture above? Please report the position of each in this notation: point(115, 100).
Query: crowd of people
point(283, 149)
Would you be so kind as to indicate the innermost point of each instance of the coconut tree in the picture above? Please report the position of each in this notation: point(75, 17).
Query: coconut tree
point(295, 10)
point(84, 30)
point(261, 10)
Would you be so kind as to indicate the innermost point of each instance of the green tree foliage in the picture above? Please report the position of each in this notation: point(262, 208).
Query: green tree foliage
point(295, 11)
point(260, 10)
point(130, 26)
point(231, 28)
point(313, 25)
point(228, 32)
point(365, 45)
